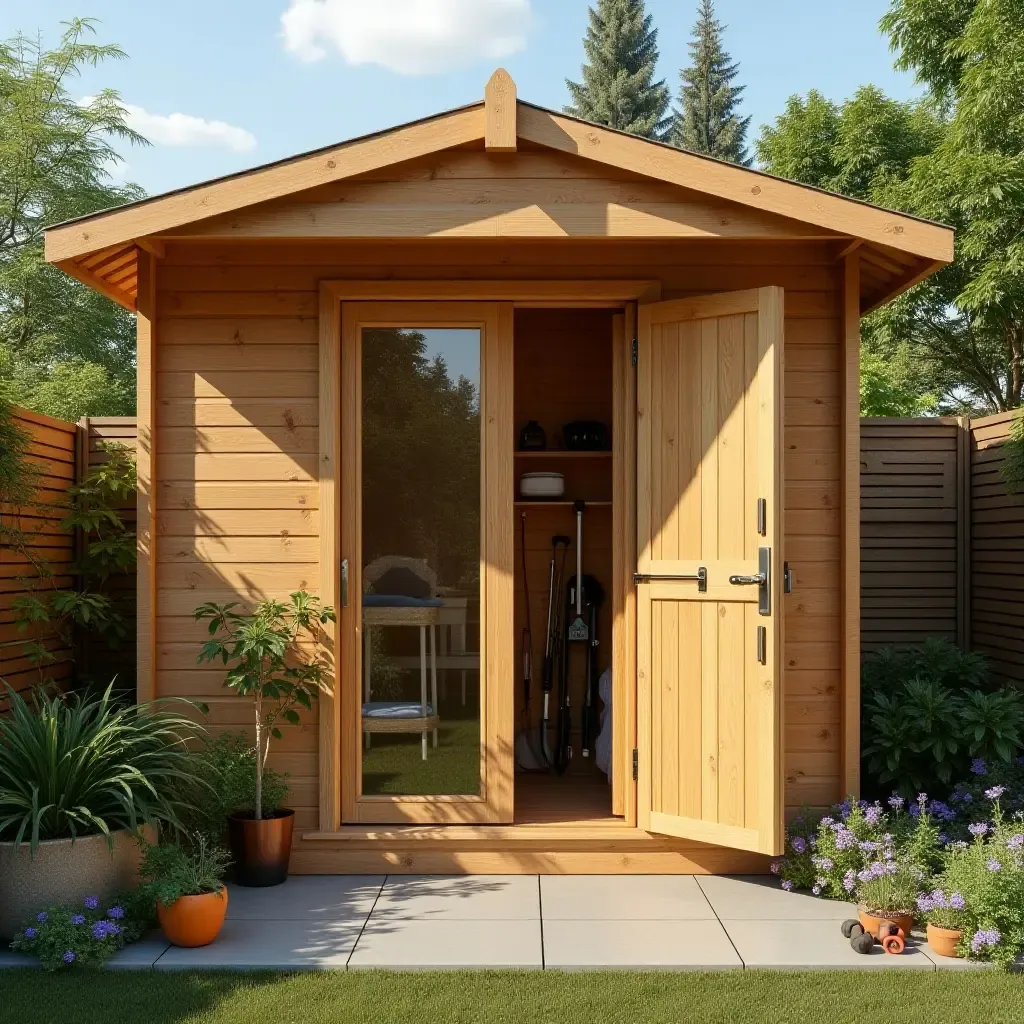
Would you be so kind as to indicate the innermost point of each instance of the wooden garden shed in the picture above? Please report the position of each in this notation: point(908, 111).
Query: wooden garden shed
point(336, 356)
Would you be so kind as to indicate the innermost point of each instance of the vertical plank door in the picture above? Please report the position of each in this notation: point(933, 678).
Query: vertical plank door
point(709, 524)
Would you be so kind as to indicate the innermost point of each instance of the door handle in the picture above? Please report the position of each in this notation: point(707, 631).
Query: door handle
point(700, 577)
point(344, 583)
point(761, 579)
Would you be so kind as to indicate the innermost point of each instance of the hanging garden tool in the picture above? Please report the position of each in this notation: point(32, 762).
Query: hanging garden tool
point(529, 749)
point(593, 599)
point(553, 640)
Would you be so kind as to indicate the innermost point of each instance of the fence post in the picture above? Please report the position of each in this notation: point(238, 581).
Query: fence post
point(963, 533)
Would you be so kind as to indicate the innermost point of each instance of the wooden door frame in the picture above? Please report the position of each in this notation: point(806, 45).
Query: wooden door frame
point(334, 782)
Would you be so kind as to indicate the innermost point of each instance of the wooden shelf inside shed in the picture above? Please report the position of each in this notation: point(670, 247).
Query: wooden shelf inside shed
point(541, 503)
point(562, 453)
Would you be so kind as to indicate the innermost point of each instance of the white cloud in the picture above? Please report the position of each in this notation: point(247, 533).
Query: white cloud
point(188, 130)
point(412, 37)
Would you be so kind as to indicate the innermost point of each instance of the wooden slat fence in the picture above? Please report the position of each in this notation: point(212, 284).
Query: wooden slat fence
point(942, 537)
point(40, 560)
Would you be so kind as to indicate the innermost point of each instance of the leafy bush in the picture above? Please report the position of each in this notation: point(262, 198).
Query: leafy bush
point(84, 936)
point(969, 801)
point(259, 645)
point(989, 873)
point(226, 769)
point(172, 870)
point(74, 765)
point(920, 735)
point(936, 660)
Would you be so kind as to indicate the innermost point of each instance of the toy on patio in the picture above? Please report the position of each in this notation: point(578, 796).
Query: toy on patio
point(891, 936)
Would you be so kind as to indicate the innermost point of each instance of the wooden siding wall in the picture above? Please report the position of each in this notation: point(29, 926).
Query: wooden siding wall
point(997, 552)
point(94, 657)
point(943, 537)
point(52, 452)
point(237, 440)
point(914, 500)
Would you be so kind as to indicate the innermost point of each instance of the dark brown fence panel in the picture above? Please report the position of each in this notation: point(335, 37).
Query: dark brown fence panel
point(40, 557)
point(913, 545)
point(96, 659)
point(997, 552)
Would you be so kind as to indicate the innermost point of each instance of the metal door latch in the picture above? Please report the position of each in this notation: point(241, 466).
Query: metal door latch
point(344, 583)
point(762, 580)
point(787, 578)
point(700, 577)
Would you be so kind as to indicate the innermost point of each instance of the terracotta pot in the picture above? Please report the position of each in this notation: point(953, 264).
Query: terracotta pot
point(872, 919)
point(63, 871)
point(261, 849)
point(194, 920)
point(943, 940)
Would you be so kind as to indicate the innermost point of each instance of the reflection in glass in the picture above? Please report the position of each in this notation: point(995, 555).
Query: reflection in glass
point(421, 561)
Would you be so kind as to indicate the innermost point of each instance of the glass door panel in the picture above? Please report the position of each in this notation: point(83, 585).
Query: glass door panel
point(420, 562)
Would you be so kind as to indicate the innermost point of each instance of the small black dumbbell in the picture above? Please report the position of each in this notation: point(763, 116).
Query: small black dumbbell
point(852, 928)
point(862, 943)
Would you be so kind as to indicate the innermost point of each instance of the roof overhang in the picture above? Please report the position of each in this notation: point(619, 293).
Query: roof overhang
point(896, 250)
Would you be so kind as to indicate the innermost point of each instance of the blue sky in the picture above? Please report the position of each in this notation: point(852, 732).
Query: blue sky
point(254, 89)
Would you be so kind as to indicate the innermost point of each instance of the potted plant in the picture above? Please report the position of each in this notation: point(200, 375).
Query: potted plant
point(80, 775)
point(946, 916)
point(887, 891)
point(261, 650)
point(187, 885)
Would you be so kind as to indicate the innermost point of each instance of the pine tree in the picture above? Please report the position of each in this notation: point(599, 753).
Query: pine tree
point(618, 87)
point(705, 120)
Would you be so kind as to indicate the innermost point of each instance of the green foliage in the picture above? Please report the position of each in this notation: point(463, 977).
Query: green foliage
point(67, 935)
point(705, 118)
point(69, 350)
point(17, 479)
point(261, 649)
point(74, 765)
point(225, 784)
point(890, 387)
point(172, 870)
point(989, 873)
point(618, 87)
point(1012, 468)
point(936, 660)
point(108, 547)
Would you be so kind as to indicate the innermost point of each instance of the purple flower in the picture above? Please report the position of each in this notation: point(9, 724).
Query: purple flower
point(873, 815)
point(922, 798)
point(993, 865)
point(845, 839)
point(849, 881)
point(42, 916)
point(31, 933)
point(68, 957)
point(941, 810)
point(799, 844)
point(867, 846)
point(91, 902)
point(116, 913)
point(942, 838)
point(956, 901)
point(823, 863)
point(995, 792)
point(925, 903)
point(958, 844)
point(776, 867)
point(827, 821)
point(915, 810)
point(101, 929)
point(1015, 842)
point(787, 885)
point(896, 802)
point(978, 766)
point(78, 918)
point(816, 890)
point(985, 937)
point(977, 829)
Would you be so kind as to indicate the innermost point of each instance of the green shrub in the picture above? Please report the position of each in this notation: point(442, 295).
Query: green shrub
point(84, 936)
point(936, 660)
point(172, 870)
point(226, 769)
point(74, 765)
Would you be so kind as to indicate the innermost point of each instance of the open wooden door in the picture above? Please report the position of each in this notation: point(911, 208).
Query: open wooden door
point(710, 572)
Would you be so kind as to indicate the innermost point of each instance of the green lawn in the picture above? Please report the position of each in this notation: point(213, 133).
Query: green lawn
point(732, 997)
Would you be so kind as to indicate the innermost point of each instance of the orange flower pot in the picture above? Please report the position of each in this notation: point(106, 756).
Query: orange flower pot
point(194, 920)
point(943, 940)
point(872, 920)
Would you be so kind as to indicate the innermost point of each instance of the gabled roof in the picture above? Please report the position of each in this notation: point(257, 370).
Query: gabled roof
point(101, 249)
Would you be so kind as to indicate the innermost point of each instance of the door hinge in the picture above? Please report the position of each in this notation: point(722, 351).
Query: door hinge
point(636, 764)
point(634, 351)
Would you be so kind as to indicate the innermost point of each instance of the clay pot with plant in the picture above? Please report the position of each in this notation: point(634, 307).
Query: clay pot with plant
point(946, 914)
point(186, 883)
point(887, 893)
point(262, 654)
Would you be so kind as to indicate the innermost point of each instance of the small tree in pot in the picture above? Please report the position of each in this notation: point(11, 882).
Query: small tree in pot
point(260, 649)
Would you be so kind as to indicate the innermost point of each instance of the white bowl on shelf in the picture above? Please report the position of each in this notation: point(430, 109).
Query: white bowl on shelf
point(542, 485)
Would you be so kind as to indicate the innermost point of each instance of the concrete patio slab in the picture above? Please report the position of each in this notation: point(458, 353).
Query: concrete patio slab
point(140, 955)
point(276, 945)
point(810, 945)
point(638, 945)
point(459, 898)
point(307, 898)
point(759, 898)
point(951, 963)
point(402, 944)
point(623, 898)
point(8, 958)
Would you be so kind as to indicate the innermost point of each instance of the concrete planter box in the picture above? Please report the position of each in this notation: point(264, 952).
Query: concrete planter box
point(62, 871)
